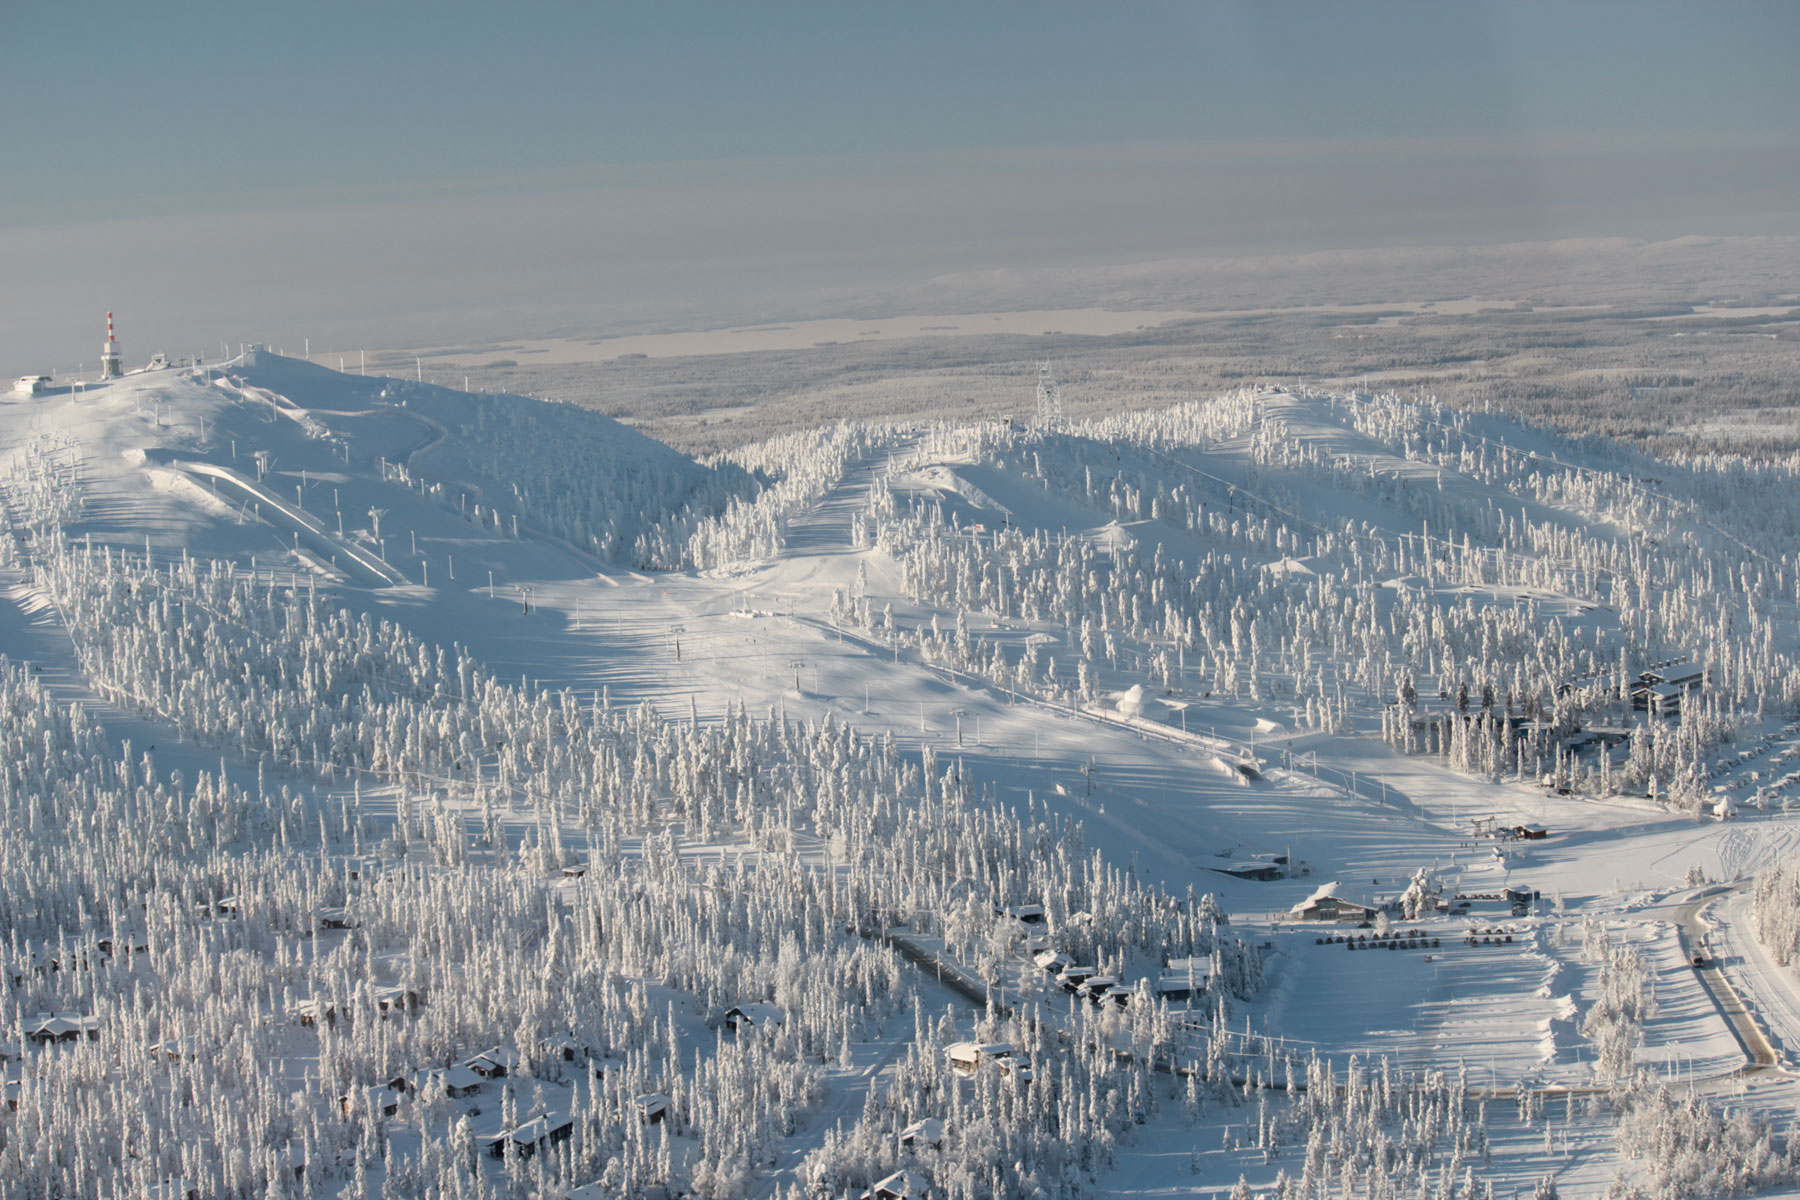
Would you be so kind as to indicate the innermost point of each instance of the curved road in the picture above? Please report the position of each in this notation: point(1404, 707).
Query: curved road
point(1691, 927)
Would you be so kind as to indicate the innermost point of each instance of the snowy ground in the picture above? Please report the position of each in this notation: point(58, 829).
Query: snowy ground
point(168, 467)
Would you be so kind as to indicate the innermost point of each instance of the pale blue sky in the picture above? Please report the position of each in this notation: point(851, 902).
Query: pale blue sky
point(542, 145)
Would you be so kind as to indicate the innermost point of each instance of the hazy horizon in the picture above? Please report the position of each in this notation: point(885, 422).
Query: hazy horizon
point(422, 174)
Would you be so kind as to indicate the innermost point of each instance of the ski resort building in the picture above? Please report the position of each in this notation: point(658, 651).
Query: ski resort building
point(1183, 979)
point(1335, 902)
point(31, 385)
point(1660, 690)
point(1256, 870)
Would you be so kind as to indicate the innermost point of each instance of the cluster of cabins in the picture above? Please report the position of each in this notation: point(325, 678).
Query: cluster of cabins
point(1658, 691)
point(460, 1081)
point(465, 1079)
point(1181, 981)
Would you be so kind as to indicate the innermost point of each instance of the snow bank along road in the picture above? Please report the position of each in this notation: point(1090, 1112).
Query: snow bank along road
point(1695, 930)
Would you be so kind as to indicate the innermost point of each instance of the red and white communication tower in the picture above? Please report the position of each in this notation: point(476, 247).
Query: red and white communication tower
point(110, 367)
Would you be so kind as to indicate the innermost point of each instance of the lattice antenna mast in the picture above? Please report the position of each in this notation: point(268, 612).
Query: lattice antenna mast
point(1049, 400)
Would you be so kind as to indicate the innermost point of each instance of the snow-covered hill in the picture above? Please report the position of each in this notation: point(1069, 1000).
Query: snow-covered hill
point(401, 725)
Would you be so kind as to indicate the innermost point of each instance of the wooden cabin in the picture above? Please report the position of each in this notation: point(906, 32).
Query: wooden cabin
point(495, 1063)
point(742, 1018)
point(901, 1185)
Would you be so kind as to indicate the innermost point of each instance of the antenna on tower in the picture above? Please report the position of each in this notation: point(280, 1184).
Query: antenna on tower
point(109, 354)
point(1049, 400)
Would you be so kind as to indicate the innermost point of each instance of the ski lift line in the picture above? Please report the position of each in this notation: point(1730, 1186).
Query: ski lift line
point(305, 520)
point(975, 682)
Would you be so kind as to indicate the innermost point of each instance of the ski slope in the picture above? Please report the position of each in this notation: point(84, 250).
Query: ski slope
point(1183, 633)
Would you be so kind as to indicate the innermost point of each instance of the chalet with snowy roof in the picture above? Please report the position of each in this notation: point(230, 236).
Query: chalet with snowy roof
point(929, 1132)
point(457, 1081)
point(1028, 921)
point(1071, 978)
point(748, 1017)
point(1335, 902)
point(1029, 915)
point(901, 1185)
point(398, 999)
point(532, 1136)
point(966, 1058)
point(60, 1027)
point(1095, 987)
point(652, 1107)
point(1052, 962)
point(175, 1049)
point(494, 1063)
point(9, 1090)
